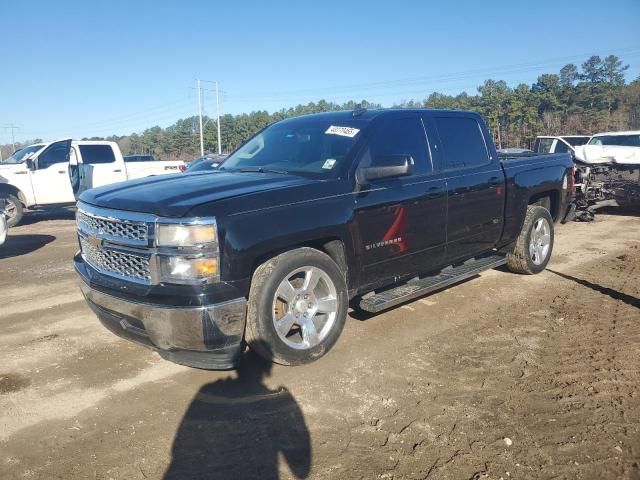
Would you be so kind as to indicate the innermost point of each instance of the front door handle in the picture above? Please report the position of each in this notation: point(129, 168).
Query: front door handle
point(62, 171)
point(117, 171)
point(495, 181)
point(434, 192)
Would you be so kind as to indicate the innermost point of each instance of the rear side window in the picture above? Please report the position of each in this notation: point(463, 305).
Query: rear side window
point(462, 142)
point(561, 147)
point(403, 136)
point(93, 154)
point(544, 145)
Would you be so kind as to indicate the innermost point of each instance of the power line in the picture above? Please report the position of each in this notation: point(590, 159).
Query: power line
point(368, 90)
point(141, 114)
point(433, 79)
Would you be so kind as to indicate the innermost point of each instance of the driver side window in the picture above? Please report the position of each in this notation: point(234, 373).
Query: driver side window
point(399, 136)
point(56, 153)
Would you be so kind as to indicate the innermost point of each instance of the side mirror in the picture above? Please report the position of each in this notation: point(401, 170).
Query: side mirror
point(31, 164)
point(386, 166)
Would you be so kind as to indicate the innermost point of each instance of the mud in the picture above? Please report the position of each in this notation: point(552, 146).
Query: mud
point(503, 376)
point(12, 382)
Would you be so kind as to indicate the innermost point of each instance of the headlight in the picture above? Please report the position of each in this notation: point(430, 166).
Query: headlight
point(188, 252)
point(183, 269)
point(177, 235)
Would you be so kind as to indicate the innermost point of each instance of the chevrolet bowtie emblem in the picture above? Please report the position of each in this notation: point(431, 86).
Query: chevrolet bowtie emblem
point(95, 241)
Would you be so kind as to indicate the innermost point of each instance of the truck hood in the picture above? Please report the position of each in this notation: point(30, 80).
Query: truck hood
point(7, 171)
point(175, 195)
point(11, 167)
point(594, 154)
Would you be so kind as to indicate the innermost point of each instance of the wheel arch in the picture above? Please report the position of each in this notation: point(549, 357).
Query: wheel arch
point(548, 199)
point(8, 189)
point(332, 246)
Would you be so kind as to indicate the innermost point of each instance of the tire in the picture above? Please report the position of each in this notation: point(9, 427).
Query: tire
point(278, 296)
point(13, 210)
point(529, 255)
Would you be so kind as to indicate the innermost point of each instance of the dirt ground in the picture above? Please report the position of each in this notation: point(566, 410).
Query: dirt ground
point(504, 376)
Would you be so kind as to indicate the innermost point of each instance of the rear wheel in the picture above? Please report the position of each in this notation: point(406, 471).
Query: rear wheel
point(534, 245)
point(297, 307)
point(13, 210)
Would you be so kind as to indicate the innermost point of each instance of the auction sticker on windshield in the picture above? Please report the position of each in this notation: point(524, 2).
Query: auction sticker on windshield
point(329, 163)
point(342, 131)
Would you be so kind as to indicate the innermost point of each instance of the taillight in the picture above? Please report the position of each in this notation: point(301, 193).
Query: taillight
point(571, 184)
point(182, 167)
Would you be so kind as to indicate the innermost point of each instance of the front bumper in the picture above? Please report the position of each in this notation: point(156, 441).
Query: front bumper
point(205, 336)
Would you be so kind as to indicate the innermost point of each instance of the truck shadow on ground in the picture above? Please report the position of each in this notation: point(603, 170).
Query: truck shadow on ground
point(53, 214)
point(615, 294)
point(630, 211)
point(17, 245)
point(238, 428)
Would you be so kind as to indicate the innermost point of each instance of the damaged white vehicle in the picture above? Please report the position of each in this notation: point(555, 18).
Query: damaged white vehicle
point(608, 168)
point(622, 148)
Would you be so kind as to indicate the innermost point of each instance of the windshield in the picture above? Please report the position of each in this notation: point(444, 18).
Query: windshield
point(632, 140)
point(20, 155)
point(304, 145)
point(203, 165)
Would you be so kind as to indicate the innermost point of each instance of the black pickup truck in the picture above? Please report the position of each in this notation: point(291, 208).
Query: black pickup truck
point(311, 215)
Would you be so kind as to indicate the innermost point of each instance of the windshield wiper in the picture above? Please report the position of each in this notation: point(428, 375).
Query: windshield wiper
point(261, 170)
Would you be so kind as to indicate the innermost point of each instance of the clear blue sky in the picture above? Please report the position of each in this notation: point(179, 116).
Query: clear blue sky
point(82, 68)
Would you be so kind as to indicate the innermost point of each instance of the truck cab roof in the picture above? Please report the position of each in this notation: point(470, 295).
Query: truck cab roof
point(370, 114)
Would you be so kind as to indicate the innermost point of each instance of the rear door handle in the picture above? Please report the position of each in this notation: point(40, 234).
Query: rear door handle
point(118, 170)
point(62, 171)
point(495, 181)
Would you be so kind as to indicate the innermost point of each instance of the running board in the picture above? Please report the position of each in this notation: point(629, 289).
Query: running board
point(417, 287)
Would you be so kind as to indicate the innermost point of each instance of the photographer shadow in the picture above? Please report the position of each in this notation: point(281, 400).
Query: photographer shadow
point(238, 428)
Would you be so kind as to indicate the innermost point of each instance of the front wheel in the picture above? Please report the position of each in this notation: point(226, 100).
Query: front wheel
point(13, 210)
point(297, 307)
point(534, 245)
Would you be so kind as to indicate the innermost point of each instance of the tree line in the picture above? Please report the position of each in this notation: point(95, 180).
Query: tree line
point(576, 100)
point(590, 99)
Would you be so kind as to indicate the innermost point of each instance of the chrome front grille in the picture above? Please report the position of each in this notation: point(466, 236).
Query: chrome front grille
point(123, 244)
point(112, 228)
point(114, 262)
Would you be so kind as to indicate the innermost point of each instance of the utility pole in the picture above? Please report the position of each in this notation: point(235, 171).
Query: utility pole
point(199, 88)
point(13, 128)
point(200, 113)
point(218, 119)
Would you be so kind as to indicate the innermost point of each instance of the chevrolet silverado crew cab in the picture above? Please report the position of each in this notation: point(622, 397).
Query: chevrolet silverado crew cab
point(54, 174)
point(370, 208)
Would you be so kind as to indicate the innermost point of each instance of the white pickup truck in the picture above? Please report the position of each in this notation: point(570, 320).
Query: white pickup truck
point(56, 173)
